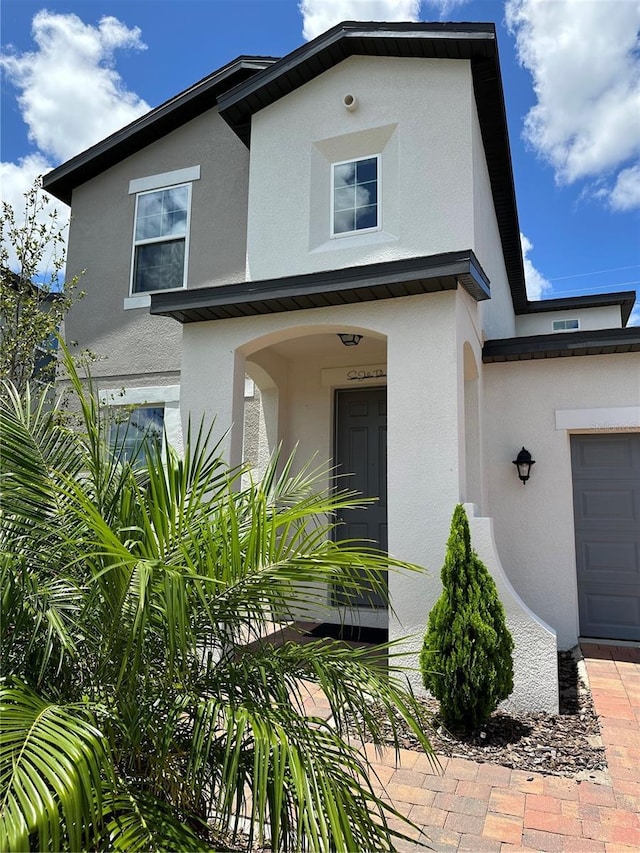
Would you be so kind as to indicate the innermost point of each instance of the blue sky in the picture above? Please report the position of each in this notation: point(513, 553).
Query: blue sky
point(571, 74)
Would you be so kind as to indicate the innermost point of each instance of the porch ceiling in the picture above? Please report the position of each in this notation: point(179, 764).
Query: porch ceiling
point(388, 280)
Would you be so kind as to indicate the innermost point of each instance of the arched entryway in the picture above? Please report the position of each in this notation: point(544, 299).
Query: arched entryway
point(326, 401)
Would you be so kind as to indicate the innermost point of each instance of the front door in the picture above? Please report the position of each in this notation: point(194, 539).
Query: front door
point(361, 452)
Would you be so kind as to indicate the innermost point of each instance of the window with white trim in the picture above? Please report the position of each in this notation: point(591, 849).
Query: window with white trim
point(355, 190)
point(131, 433)
point(142, 415)
point(565, 325)
point(160, 239)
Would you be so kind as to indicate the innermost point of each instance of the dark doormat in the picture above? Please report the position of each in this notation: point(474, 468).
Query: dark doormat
point(351, 633)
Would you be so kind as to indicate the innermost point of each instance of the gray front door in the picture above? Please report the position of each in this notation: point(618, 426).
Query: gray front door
point(361, 452)
point(606, 500)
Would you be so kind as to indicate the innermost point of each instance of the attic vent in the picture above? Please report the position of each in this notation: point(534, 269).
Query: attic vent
point(565, 325)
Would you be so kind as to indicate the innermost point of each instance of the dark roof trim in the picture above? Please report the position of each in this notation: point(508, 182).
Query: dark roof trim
point(387, 280)
point(625, 299)
point(350, 38)
point(155, 124)
point(562, 345)
point(475, 42)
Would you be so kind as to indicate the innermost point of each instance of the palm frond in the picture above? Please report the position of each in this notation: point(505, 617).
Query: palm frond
point(141, 822)
point(147, 592)
point(38, 619)
point(293, 781)
point(34, 444)
point(52, 760)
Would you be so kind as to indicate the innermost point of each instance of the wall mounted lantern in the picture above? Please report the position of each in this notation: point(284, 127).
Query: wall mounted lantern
point(349, 340)
point(523, 463)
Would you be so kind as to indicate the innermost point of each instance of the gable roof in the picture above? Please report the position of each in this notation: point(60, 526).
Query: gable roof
point(248, 84)
point(473, 42)
point(155, 124)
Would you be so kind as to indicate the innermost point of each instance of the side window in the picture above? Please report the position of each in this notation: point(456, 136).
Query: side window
point(355, 190)
point(129, 434)
point(565, 325)
point(160, 237)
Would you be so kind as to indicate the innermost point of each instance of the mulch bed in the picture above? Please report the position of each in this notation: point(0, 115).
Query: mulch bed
point(567, 744)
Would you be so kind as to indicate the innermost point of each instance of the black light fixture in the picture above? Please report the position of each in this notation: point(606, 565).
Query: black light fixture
point(349, 340)
point(523, 463)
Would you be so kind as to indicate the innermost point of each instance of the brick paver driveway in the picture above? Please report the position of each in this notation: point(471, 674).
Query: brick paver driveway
point(485, 807)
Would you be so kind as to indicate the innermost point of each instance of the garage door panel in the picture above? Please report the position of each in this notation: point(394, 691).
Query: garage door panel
point(609, 611)
point(602, 504)
point(606, 498)
point(610, 561)
point(608, 453)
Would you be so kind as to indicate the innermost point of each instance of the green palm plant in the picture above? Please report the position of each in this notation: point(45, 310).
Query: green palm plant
point(141, 706)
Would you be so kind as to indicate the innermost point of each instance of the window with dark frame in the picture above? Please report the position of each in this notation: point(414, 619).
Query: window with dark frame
point(130, 434)
point(565, 325)
point(355, 191)
point(160, 239)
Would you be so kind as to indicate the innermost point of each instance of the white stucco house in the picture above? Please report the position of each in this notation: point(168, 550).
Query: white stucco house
point(359, 191)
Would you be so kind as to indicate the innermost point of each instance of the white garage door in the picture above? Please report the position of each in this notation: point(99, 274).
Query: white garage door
point(606, 500)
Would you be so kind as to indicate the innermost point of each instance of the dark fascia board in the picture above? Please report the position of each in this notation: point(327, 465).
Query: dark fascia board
point(386, 280)
point(562, 345)
point(625, 299)
point(475, 42)
point(155, 124)
point(353, 38)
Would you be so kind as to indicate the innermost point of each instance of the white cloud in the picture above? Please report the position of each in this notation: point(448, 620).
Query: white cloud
point(626, 192)
point(445, 7)
point(537, 284)
point(321, 15)
point(584, 60)
point(70, 94)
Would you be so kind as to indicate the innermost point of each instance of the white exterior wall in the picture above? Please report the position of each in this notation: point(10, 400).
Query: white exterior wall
point(472, 480)
point(497, 314)
point(422, 413)
point(534, 526)
point(605, 317)
point(416, 113)
point(420, 117)
point(419, 343)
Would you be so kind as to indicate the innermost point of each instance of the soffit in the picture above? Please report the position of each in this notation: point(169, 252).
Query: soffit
point(625, 299)
point(371, 282)
point(563, 345)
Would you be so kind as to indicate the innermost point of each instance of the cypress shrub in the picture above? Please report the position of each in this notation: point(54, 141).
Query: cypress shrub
point(466, 659)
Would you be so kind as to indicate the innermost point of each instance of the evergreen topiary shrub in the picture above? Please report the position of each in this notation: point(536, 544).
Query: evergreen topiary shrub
point(466, 658)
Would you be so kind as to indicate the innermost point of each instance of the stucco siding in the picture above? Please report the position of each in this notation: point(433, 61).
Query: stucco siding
point(534, 525)
point(422, 413)
point(605, 317)
point(101, 236)
point(497, 314)
point(415, 113)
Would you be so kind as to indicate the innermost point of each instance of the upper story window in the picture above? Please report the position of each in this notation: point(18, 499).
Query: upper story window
point(160, 236)
point(355, 189)
point(160, 232)
point(565, 325)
